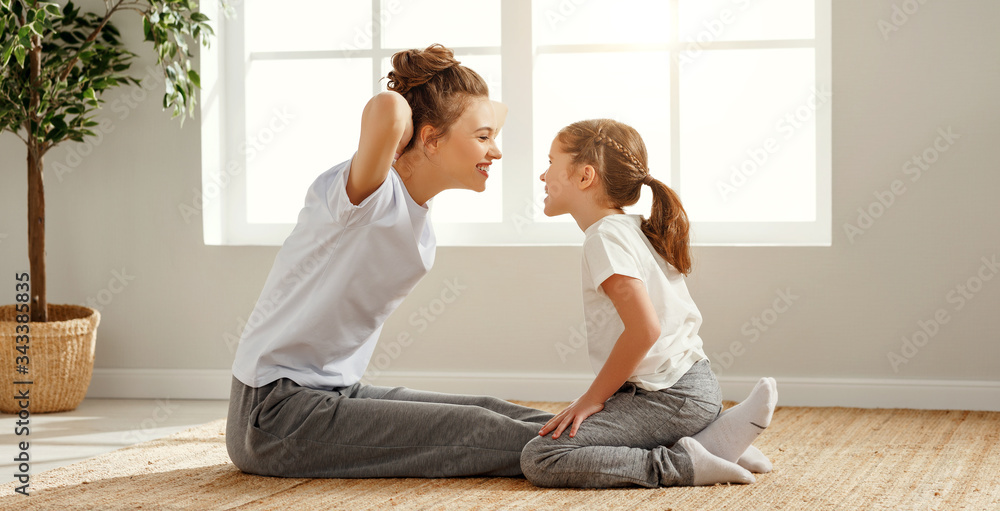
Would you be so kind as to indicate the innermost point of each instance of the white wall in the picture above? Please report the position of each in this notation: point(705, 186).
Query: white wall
point(165, 332)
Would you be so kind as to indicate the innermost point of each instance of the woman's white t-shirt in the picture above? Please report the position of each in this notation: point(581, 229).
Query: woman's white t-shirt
point(616, 244)
point(337, 277)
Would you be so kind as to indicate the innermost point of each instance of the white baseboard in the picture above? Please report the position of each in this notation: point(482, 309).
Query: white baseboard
point(160, 383)
point(860, 393)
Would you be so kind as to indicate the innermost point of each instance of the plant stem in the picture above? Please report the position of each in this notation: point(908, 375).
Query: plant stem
point(36, 234)
point(36, 189)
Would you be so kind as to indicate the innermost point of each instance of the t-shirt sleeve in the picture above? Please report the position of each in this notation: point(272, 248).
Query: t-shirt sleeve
point(346, 213)
point(606, 255)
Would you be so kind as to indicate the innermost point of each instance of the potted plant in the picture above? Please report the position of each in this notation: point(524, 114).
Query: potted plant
point(55, 63)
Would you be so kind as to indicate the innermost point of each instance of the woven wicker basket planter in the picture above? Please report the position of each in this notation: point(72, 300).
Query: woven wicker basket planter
point(61, 359)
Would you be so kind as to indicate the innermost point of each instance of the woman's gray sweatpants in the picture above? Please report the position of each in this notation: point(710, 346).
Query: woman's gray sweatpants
point(283, 429)
point(631, 441)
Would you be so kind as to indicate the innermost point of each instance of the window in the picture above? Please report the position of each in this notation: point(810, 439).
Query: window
point(732, 98)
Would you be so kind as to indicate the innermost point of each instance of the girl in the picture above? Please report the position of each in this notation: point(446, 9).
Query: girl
point(653, 389)
point(361, 243)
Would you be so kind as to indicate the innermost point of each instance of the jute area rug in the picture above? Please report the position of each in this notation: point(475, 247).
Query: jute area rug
point(824, 458)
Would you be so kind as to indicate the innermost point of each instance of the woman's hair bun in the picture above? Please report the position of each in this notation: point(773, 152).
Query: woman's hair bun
point(411, 68)
point(435, 85)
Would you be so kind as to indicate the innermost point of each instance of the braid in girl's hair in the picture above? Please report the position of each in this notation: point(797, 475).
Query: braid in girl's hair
point(623, 171)
point(604, 139)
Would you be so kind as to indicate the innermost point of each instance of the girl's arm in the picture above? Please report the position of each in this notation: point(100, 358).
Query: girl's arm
point(642, 330)
point(386, 128)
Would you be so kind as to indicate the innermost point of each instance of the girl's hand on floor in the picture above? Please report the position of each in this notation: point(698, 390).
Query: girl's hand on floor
point(574, 414)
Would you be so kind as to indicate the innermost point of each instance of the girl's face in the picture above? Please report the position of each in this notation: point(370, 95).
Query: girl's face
point(559, 187)
point(466, 152)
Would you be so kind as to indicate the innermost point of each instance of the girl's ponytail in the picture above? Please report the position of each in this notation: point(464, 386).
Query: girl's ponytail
point(667, 227)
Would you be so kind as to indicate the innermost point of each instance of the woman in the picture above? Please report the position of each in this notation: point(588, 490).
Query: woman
point(361, 243)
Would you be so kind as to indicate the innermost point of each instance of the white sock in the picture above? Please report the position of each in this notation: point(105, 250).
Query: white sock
point(755, 461)
point(733, 432)
point(710, 469)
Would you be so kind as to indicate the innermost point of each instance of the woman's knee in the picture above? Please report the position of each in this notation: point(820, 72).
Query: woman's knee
point(237, 452)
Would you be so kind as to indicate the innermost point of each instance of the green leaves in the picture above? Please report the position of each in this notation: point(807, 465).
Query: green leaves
point(8, 49)
point(19, 52)
point(172, 25)
point(90, 96)
point(81, 57)
point(21, 24)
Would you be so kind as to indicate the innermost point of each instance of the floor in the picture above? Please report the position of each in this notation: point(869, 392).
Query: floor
point(824, 459)
point(98, 426)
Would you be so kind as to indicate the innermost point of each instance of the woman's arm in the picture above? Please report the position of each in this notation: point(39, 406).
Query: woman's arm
point(642, 330)
point(386, 128)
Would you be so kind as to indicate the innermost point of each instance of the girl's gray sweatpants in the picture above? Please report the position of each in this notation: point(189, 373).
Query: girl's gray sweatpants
point(286, 430)
point(631, 441)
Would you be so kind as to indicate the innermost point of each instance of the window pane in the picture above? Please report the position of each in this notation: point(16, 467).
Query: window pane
point(281, 26)
point(748, 137)
point(600, 22)
point(616, 92)
point(742, 20)
point(466, 206)
point(453, 23)
point(303, 117)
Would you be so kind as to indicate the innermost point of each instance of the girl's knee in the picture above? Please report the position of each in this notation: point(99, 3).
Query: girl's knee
point(536, 461)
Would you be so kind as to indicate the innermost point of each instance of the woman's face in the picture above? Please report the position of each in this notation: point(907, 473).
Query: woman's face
point(558, 185)
point(469, 148)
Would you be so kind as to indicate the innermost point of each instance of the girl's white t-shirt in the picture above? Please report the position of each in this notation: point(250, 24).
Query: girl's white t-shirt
point(616, 244)
point(337, 277)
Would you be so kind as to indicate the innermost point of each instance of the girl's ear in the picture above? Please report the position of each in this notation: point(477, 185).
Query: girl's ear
point(587, 177)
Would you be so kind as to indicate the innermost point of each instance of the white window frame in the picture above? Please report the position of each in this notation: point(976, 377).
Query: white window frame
point(223, 202)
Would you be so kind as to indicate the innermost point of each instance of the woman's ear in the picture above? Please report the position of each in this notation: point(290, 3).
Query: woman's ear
point(429, 137)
